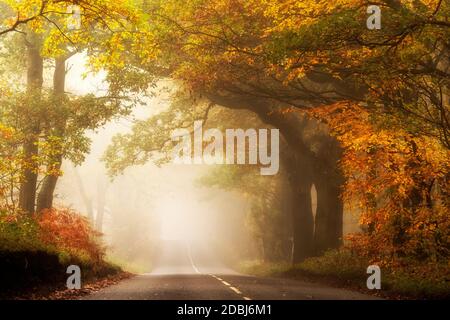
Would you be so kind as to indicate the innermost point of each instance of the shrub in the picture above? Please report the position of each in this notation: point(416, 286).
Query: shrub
point(19, 232)
point(69, 232)
point(60, 231)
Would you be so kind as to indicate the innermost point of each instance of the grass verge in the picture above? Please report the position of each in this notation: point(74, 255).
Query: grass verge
point(341, 268)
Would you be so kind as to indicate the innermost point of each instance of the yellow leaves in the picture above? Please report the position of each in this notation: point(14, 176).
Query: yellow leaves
point(6, 133)
point(399, 182)
point(54, 44)
point(293, 14)
point(10, 160)
point(144, 45)
point(50, 19)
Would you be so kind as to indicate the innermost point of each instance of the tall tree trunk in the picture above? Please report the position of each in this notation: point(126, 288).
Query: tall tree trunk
point(328, 181)
point(46, 193)
point(27, 194)
point(35, 79)
point(314, 151)
point(329, 215)
point(302, 214)
point(303, 225)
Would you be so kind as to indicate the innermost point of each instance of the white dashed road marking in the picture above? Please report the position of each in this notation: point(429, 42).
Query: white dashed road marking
point(192, 261)
point(236, 290)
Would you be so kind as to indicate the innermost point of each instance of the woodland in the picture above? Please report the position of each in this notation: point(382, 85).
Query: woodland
point(363, 116)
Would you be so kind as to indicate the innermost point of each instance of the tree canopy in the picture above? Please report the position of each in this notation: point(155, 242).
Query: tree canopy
point(364, 112)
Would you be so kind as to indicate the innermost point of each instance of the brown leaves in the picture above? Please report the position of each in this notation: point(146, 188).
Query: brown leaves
point(67, 294)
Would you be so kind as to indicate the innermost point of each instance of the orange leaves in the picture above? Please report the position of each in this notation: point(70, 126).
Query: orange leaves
point(6, 133)
point(70, 232)
point(57, 230)
point(400, 182)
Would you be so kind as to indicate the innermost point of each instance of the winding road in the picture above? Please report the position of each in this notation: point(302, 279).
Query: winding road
point(180, 274)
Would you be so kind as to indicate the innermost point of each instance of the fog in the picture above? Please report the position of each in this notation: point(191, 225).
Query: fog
point(149, 206)
point(153, 215)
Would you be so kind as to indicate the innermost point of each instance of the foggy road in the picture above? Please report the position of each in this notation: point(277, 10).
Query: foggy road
point(184, 274)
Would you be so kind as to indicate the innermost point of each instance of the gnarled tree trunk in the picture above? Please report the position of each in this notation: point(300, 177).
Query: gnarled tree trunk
point(302, 219)
point(329, 215)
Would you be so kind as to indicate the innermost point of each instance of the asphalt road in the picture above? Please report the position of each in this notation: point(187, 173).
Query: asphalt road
point(180, 274)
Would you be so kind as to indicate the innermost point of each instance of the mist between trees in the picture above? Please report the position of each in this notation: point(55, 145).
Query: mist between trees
point(363, 118)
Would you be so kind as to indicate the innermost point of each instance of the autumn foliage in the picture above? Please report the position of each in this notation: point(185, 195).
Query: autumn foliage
point(399, 182)
point(60, 231)
point(260, 55)
point(70, 232)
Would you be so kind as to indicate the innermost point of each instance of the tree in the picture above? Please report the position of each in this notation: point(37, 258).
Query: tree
point(399, 181)
point(218, 67)
point(61, 124)
point(271, 56)
point(275, 58)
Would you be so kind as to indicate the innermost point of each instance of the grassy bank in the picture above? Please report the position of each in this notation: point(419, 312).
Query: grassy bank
point(135, 266)
point(35, 251)
point(341, 268)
